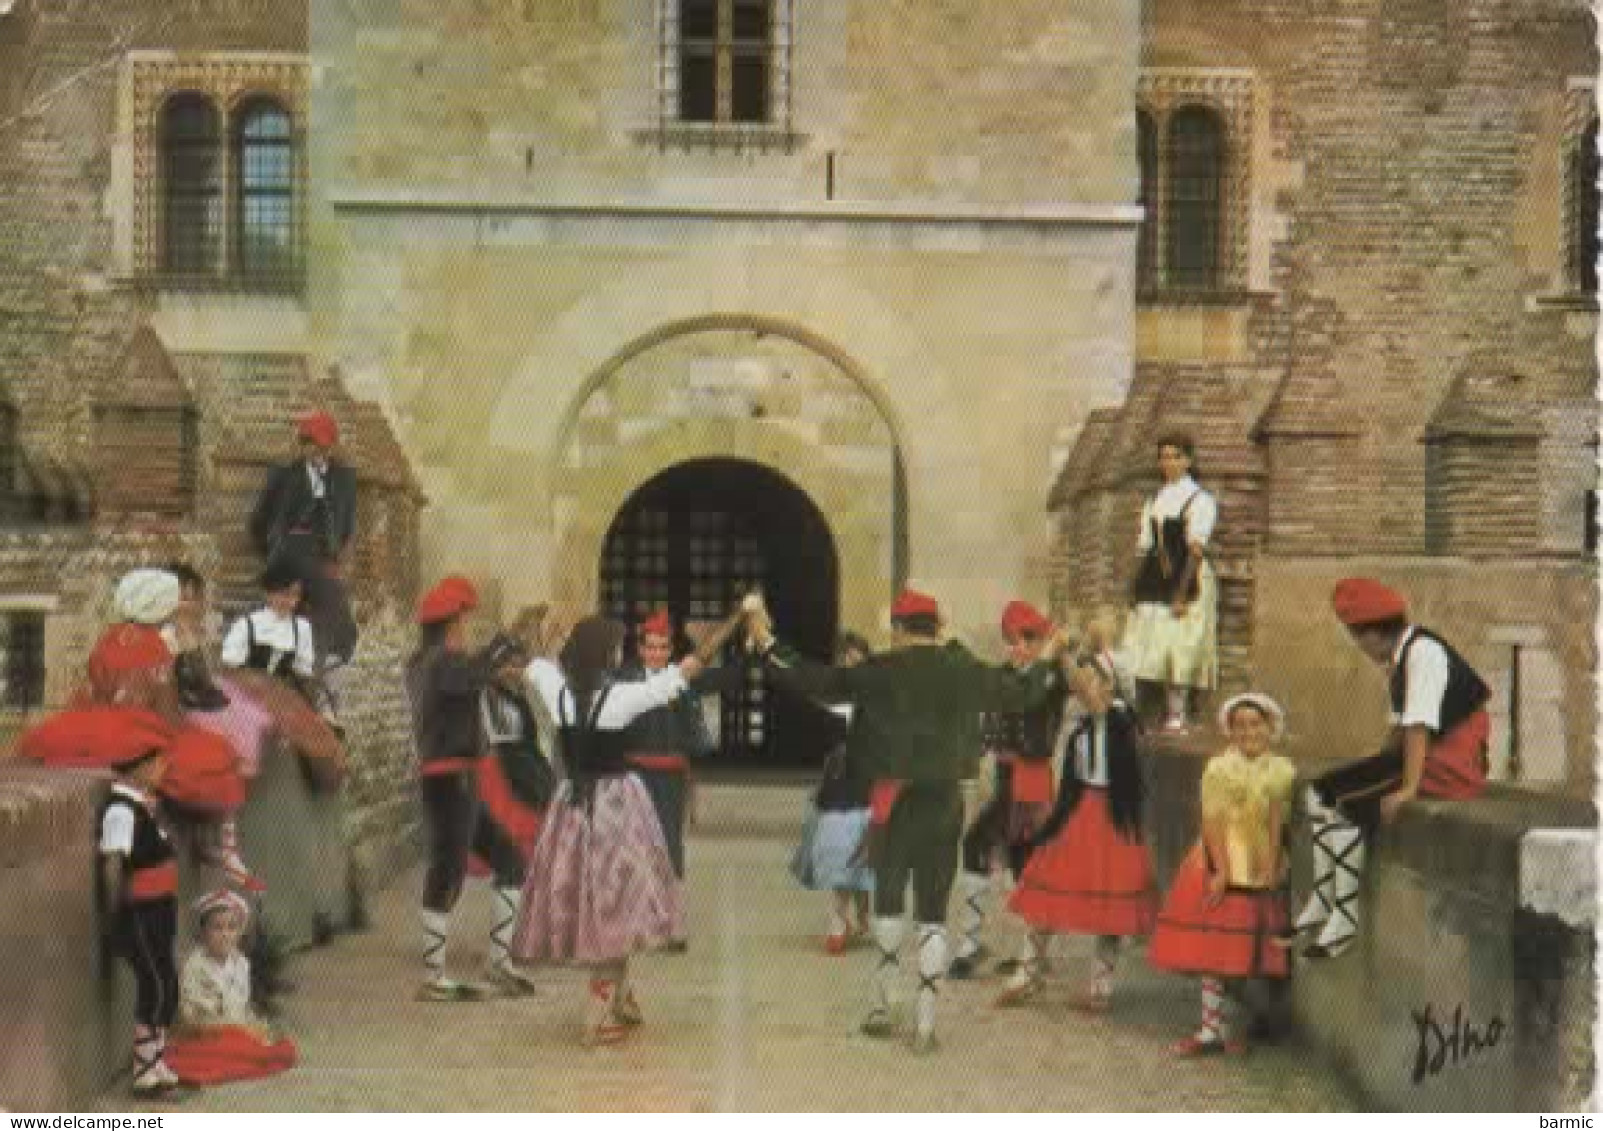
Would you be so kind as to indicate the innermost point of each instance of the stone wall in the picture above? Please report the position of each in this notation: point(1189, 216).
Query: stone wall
point(563, 99)
point(68, 1018)
point(1481, 911)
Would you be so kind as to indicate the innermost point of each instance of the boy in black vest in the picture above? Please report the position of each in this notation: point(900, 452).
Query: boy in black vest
point(139, 874)
point(1437, 748)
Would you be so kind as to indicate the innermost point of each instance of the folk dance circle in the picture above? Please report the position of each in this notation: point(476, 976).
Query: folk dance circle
point(942, 771)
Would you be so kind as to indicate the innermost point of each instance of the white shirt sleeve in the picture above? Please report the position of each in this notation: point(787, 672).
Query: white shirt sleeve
point(305, 649)
point(1427, 669)
point(117, 830)
point(1201, 518)
point(236, 645)
point(546, 679)
point(1143, 541)
point(625, 702)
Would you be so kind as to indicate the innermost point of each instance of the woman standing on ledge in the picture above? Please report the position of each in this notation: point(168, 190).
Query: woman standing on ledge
point(1172, 634)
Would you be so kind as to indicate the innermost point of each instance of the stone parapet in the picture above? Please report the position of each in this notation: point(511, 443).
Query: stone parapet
point(1471, 985)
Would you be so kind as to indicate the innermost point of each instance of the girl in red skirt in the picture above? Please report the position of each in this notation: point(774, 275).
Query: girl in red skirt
point(1091, 873)
point(1228, 903)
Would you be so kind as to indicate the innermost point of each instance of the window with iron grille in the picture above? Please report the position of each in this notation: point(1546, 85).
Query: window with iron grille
point(1192, 131)
point(22, 660)
point(218, 175)
point(1194, 156)
point(724, 73)
point(264, 213)
point(192, 184)
point(1581, 218)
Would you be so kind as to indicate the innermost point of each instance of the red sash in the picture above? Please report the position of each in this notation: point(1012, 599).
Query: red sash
point(1032, 782)
point(662, 763)
point(442, 766)
point(1455, 769)
point(882, 799)
point(155, 882)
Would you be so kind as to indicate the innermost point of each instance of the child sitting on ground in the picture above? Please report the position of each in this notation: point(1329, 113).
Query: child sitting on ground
point(222, 1037)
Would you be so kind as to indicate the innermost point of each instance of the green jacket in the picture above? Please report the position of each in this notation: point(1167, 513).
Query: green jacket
point(918, 708)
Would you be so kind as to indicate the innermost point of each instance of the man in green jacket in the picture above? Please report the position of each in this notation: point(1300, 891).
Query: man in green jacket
point(916, 734)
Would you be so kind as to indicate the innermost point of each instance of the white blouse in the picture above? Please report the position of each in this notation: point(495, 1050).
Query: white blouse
point(215, 993)
point(1170, 500)
point(625, 703)
point(283, 634)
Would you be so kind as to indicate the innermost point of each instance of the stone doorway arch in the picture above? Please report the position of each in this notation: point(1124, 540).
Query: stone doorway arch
point(694, 539)
point(738, 388)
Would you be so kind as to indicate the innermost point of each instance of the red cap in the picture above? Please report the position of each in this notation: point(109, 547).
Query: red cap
point(658, 623)
point(126, 648)
point(1023, 619)
point(451, 597)
point(1360, 601)
point(914, 604)
point(318, 427)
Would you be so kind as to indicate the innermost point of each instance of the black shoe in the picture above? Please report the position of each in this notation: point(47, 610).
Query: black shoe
point(322, 928)
point(676, 946)
point(967, 966)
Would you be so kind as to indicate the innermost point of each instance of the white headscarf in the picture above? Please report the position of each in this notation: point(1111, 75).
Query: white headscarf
point(1277, 715)
point(147, 596)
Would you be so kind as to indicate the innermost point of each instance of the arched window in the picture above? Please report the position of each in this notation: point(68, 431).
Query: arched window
point(1583, 218)
point(1147, 156)
point(264, 176)
point(192, 186)
point(1196, 160)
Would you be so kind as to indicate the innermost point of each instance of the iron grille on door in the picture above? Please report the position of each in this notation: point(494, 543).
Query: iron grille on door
point(698, 563)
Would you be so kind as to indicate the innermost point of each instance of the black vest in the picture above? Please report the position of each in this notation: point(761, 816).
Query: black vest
point(1157, 579)
point(264, 657)
point(1028, 734)
point(1466, 692)
point(672, 728)
point(589, 751)
point(152, 847)
point(527, 772)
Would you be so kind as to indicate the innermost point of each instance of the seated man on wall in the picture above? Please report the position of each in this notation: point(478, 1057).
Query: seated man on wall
point(1437, 748)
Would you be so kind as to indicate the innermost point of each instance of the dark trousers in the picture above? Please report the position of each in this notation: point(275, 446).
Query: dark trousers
point(669, 790)
point(457, 825)
point(144, 934)
point(1355, 789)
point(328, 604)
point(989, 832)
point(920, 843)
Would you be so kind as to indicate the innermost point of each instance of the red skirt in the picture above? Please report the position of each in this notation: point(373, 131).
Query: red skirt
point(1090, 880)
point(203, 772)
point(499, 805)
point(218, 1054)
point(1231, 940)
point(95, 737)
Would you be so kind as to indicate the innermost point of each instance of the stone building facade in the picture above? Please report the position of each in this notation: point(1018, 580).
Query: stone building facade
point(1393, 370)
point(660, 299)
point(149, 374)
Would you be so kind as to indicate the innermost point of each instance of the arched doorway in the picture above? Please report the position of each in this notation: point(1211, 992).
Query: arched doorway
point(696, 538)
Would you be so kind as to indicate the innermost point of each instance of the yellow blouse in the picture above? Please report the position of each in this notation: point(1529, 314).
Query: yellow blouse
point(1238, 793)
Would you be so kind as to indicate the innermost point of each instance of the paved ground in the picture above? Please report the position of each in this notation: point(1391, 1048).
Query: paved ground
point(755, 1017)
